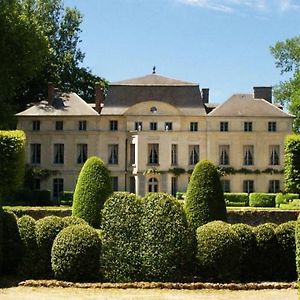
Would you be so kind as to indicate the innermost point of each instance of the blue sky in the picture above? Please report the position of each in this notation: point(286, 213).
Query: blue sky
point(222, 45)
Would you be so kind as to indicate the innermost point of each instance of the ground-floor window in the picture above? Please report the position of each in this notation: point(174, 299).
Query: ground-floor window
point(174, 185)
point(114, 182)
point(58, 187)
point(131, 184)
point(225, 186)
point(36, 184)
point(274, 186)
point(153, 185)
point(248, 186)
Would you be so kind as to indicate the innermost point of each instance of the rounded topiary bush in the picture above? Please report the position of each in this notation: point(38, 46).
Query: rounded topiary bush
point(12, 247)
point(218, 252)
point(204, 201)
point(92, 189)
point(247, 240)
point(75, 254)
point(267, 252)
point(285, 234)
point(72, 220)
point(164, 238)
point(120, 224)
point(46, 231)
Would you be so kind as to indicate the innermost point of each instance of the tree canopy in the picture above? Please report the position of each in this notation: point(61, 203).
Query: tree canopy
point(287, 56)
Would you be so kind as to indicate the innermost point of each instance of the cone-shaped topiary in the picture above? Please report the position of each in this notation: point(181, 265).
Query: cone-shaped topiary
point(75, 254)
point(92, 189)
point(204, 200)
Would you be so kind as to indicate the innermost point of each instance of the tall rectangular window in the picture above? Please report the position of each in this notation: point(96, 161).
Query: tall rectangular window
point(82, 125)
point(35, 153)
point(248, 186)
point(113, 150)
point(82, 153)
point(58, 153)
point(174, 154)
point(168, 126)
point(248, 155)
point(272, 126)
point(58, 187)
point(131, 184)
point(223, 126)
point(114, 183)
point(153, 126)
point(247, 126)
point(225, 185)
point(59, 125)
point(36, 184)
point(113, 125)
point(153, 154)
point(174, 185)
point(132, 154)
point(224, 155)
point(193, 126)
point(193, 154)
point(138, 126)
point(274, 155)
point(36, 125)
point(274, 186)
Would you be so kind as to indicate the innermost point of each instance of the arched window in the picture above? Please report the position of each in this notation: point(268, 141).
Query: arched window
point(152, 185)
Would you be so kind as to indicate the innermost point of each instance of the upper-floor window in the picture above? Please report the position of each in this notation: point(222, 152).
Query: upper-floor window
point(223, 126)
point(248, 155)
point(153, 154)
point(224, 155)
point(193, 126)
point(35, 153)
point(58, 154)
point(225, 185)
point(138, 126)
point(174, 154)
point(168, 126)
point(193, 154)
point(153, 126)
point(36, 125)
point(272, 126)
point(113, 154)
point(274, 155)
point(113, 125)
point(248, 186)
point(59, 125)
point(82, 125)
point(247, 126)
point(82, 153)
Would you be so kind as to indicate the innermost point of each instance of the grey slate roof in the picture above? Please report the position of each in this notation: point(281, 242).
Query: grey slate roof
point(245, 105)
point(185, 96)
point(71, 105)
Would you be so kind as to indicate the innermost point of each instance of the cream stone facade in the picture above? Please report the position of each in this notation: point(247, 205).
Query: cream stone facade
point(152, 130)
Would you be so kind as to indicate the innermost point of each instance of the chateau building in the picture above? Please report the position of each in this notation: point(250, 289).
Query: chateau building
point(152, 130)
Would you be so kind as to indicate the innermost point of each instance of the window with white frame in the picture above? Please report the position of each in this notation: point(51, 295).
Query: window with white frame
point(58, 187)
point(113, 150)
point(223, 126)
point(274, 155)
point(153, 154)
point(248, 186)
point(248, 155)
point(59, 125)
point(82, 125)
point(113, 125)
point(82, 153)
point(132, 154)
point(168, 126)
point(272, 126)
point(59, 153)
point(193, 154)
point(274, 186)
point(174, 154)
point(36, 125)
point(247, 126)
point(35, 153)
point(193, 126)
point(225, 185)
point(138, 126)
point(153, 126)
point(174, 185)
point(153, 185)
point(224, 155)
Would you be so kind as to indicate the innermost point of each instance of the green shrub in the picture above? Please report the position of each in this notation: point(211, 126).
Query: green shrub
point(29, 262)
point(72, 220)
point(262, 200)
point(180, 195)
point(292, 164)
point(218, 252)
point(46, 231)
point(75, 254)
point(204, 201)
point(1, 238)
point(285, 198)
point(297, 235)
point(121, 216)
point(247, 240)
point(12, 162)
point(164, 238)
point(66, 198)
point(236, 199)
point(267, 252)
point(285, 234)
point(12, 248)
point(92, 189)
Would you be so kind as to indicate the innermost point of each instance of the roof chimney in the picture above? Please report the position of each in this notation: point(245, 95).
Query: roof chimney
point(51, 92)
point(205, 95)
point(263, 92)
point(99, 99)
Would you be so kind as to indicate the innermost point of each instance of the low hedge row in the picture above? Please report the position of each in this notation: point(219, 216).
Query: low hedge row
point(236, 199)
point(262, 200)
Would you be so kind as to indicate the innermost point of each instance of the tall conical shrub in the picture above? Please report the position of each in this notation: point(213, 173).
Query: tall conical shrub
point(204, 200)
point(92, 189)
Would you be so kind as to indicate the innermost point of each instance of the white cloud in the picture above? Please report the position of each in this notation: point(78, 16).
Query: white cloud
point(285, 5)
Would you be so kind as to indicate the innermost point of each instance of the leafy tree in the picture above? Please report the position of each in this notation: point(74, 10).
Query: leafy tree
point(287, 55)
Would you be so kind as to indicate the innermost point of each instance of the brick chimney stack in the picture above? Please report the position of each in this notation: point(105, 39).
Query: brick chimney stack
point(99, 100)
point(205, 95)
point(51, 92)
point(263, 92)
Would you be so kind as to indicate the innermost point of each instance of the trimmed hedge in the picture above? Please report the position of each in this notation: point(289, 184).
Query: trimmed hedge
point(236, 199)
point(262, 200)
point(204, 201)
point(285, 234)
point(72, 220)
point(66, 198)
point(92, 189)
point(120, 224)
point(285, 198)
point(164, 238)
point(218, 252)
point(297, 238)
point(12, 162)
point(75, 254)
